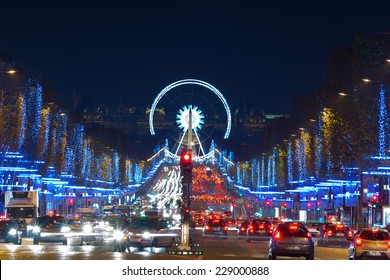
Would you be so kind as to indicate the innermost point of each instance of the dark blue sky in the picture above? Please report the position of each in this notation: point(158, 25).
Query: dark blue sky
point(260, 51)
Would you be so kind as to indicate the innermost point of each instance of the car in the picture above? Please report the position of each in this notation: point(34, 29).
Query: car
point(241, 229)
point(215, 228)
point(89, 232)
point(259, 229)
point(291, 239)
point(52, 229)
point(335, 235)
point(10, 231)
point(232, 223)
point(369, 243)
point(146, 232)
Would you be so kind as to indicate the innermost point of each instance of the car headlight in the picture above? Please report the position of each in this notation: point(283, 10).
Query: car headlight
point(87, 228)
point(12, 231)
point(65, 229)
point(118, 234)
point(30, 228)
point(36, 229)
point(146, 235)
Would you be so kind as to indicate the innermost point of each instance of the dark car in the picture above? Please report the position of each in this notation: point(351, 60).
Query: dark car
point(259, 229)
point(51, 229)
point(335, 235)
point(10, 231)
point(293, 240)
point(215, 228)
point(241, 229)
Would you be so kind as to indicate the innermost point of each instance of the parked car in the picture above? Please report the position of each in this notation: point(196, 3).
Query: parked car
point(291, 239)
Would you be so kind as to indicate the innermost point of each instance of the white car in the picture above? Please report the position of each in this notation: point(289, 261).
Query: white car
point(151, 232)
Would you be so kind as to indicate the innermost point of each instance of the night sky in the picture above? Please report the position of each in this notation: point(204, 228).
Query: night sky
point(258, 51)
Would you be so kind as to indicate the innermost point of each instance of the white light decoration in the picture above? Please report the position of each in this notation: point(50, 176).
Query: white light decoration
point(191, 82)
point(182, 118)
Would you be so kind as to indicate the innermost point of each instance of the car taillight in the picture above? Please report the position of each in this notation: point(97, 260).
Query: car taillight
point(277, 235)
point(388, 244)
point(242, 229)
point(225, 228)
point(358, 242)
point(251, 227)
point(308, 234)
point(207, 227)
point(329, 233)
point(349, 233)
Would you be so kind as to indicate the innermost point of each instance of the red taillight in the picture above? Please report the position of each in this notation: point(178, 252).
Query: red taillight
point(225, 228)
point(251, 227)
point(277, 235)
point(349, 233)
point(358, 242)
point(388, 244)
point(242, 229)
point(294, 227)
point(207, 227)
point(329, 233)
point(308, 235)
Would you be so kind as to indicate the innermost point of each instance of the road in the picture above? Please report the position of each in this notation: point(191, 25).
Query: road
point(213, 249)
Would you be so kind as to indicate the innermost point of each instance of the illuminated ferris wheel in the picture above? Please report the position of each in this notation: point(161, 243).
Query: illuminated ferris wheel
point(189, 104)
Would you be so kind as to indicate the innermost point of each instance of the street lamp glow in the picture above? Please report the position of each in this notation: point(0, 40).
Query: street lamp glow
point(342, 94)
point(367, 80)
point(11, 71)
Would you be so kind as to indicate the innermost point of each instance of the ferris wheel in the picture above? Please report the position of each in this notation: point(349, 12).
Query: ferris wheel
point(197, 102)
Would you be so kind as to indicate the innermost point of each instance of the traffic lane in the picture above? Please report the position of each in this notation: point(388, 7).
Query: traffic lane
point(213, 249)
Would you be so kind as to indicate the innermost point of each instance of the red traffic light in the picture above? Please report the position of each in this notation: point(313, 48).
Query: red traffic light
point(186, 158)
point(374, 198)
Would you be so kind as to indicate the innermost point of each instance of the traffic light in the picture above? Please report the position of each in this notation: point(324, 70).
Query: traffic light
point(375, 200)
point(318, 206)
point(284, 206)
point(186, 162)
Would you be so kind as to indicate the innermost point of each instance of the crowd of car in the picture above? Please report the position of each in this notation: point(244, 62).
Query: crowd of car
point(285, 238)
point(297, 239)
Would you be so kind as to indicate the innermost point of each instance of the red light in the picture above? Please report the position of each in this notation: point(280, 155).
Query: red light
point(207, 227)
point(70, 201)
point(294, 227)
point(329, 233)
point(225, 228)
point(277, 235)
point(186, 157)
point(358, 242)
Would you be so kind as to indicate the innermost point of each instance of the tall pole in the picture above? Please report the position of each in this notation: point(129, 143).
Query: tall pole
point(187, 178)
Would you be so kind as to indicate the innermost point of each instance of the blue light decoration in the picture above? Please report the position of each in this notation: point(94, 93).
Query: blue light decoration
point(138, 174)
point(239, 178)
point(382, 122)
point(290, 177)
point(269, 171)
point(129, 171)
point(273, 168)
point(70, 160)
point(301, 159)
point(23, 120)
point(318, 148)
point(262, 170)
point(33, 97)
point(115, 170)
point(87, 159)
point(46, 125)
point(253, 171)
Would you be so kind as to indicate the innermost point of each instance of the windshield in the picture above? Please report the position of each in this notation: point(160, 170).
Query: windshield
point(143, 223)
point(20, 212)
point(375, 235)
